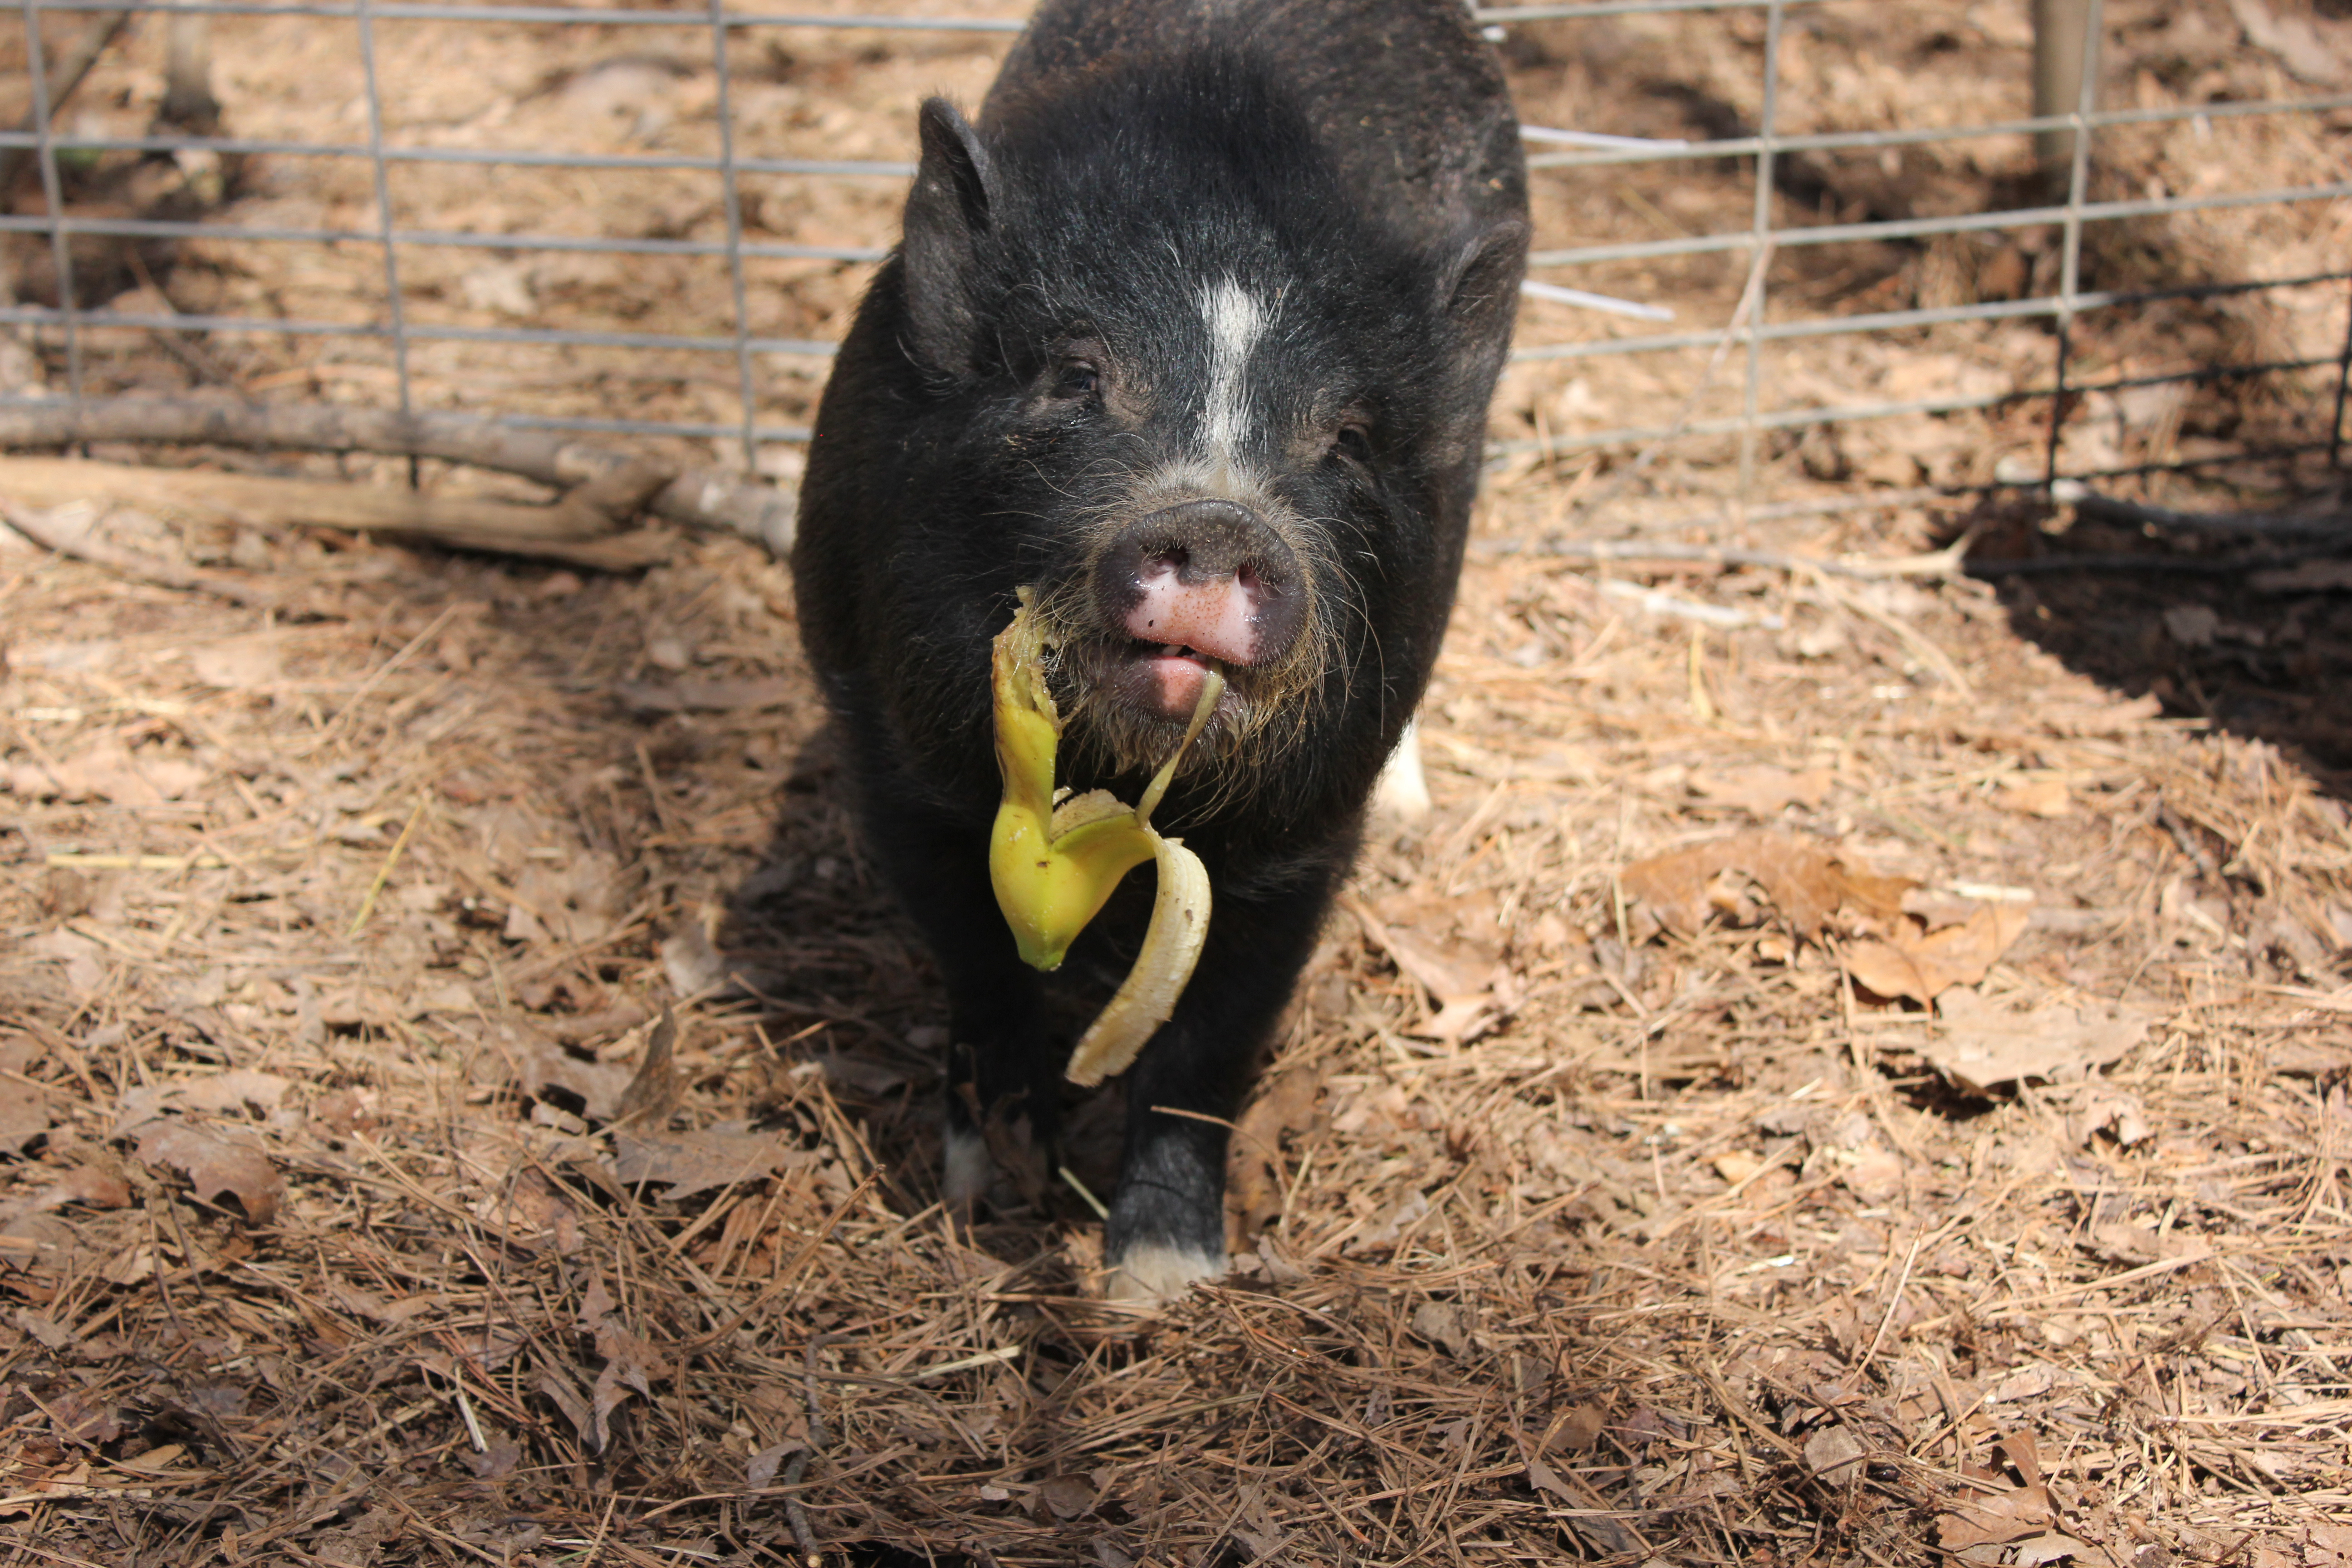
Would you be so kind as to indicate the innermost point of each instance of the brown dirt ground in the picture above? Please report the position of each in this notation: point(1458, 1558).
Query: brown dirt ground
point(1613, 1194)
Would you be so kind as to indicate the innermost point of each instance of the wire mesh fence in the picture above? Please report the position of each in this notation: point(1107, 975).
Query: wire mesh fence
point(449, 205)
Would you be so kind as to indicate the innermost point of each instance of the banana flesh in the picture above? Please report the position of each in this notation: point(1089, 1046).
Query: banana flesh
point(1053, 862)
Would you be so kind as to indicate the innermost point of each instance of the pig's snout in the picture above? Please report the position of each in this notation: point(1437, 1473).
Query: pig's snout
point(1208, 575)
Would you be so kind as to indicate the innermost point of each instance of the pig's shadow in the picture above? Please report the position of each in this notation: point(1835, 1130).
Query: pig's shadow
point(824, 946)
point(2176, 614)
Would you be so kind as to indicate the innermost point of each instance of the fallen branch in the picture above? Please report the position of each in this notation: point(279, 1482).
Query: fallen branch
point(2202, 565)
point(708, 498)
point(71, 530)
point(1658, 602)
point(1948, 562)
point(2111, 509)
point(580, 527)
point(804, 1536)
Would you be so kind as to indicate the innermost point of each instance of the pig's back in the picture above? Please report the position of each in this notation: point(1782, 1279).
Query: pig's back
point(1404, 95)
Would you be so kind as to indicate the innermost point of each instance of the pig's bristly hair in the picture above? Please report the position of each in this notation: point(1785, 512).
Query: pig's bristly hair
point(1179, 212)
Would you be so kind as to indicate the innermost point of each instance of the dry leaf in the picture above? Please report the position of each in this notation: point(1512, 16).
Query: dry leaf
point(1581, 1428)
point(760, 1471)
point(1835, 1455)
point(239, 664)
point(2115, 1112)
point(537, 1208)
point(631, 1363)
point(2326, 575)
point(1254, 1191)
point(110, 771)
point(2191, 626)
point(1979, 1044)
point(559, 1389)
point(1444, 1325)
point(2020, 1453)
point(693, 1163)
point(23, 1120)
point(690, 957)
point(2004, 1516)
point(576, 901)
point(2034, 1551)
point(1875, 1175)
point(2299, 45)
point(1453, 949)
point(1545, 1479)
point(2123, 1242)
point(1410, 1211)
point(238, 1091)
point(215, 1167)
point(655, 1088)
point(2034, 797)
point(860, 1073)
point(38, 1242)
point(706, 695)
point(2087, 719)
point(596, 1087)
point(52, 1334)
point(1763, 791)
point(1806, 881)
point(101, 1186)
point(1736, 1165)
point(1922, 965)
point(1066, 1496)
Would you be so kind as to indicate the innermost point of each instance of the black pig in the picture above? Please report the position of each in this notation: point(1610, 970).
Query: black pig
point(1193, 333)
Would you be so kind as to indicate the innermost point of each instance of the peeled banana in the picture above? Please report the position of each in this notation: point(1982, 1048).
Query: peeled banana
point(1053, 861)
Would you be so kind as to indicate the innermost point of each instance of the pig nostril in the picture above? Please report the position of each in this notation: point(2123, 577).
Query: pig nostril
point(1208, 576)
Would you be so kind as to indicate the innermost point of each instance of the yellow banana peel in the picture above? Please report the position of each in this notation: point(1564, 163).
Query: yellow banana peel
point(1055, 862)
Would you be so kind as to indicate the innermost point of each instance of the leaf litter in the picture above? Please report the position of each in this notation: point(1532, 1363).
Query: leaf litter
point(1599, 1202)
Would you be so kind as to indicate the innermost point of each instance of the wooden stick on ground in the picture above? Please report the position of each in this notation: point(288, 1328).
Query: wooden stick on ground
point(580, 527)
point(2114, 508)
point(1949, 562)
point(70, 531)
point(708, 498)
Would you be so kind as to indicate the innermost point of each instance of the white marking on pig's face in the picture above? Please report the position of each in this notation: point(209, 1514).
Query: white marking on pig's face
point(1236, 318)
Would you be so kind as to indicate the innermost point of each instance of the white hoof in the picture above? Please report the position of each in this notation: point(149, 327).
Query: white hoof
point(969, 1170)
point(1154, 1275)
point(1403, 791)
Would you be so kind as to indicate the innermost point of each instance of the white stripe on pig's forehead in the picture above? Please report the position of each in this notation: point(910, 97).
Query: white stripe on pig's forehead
point(1236, 318)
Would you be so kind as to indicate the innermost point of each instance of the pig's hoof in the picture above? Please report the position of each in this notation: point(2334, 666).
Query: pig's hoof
point(1154, 1273)
point(969, 1170)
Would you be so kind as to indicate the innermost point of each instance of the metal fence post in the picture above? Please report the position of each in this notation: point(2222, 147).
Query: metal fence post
point(395, 306)
point(2078, 182)
point(2065, 54)
point(1761, 241)
point(37, 66)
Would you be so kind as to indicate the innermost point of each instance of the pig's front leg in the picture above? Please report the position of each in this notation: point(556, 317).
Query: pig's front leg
point(1003, 1087)
point(1167, 1227)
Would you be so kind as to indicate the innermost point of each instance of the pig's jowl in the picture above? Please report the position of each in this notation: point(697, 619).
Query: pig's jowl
point(1192, 332)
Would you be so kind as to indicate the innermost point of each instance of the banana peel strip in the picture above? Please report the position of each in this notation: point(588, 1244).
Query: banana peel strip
point(1145, 999)
point(1053, 863)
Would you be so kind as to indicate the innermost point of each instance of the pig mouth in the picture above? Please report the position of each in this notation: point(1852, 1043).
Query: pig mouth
point(1161, 600)
point(1130, 699)
point(1163, 679)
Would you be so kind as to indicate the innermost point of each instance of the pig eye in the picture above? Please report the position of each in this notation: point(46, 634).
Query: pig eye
point(1077, 378)
point(1352, 442)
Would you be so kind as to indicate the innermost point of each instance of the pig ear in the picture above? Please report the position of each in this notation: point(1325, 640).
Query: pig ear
point(1481, 289)
point(947, 212)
